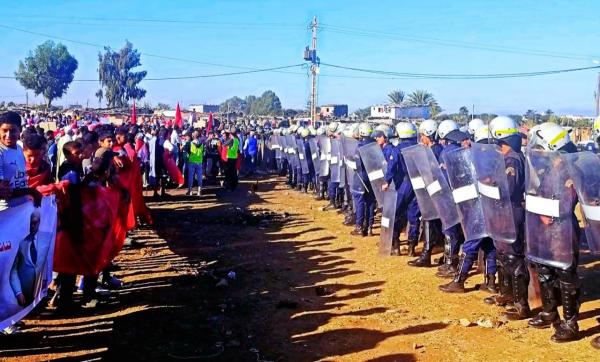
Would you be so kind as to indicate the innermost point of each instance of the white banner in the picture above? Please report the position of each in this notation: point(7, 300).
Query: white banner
point(26, 255)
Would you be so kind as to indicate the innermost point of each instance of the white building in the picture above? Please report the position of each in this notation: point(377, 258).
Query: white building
point(390, 111)
point(203, 108)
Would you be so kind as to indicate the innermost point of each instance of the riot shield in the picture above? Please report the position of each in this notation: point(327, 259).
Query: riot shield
point(302, 156)
point(463, 181)
point(426, 206)
point(388, 216)
point(492, 186)
point(349, 146)
point(584, 168)
point(549, 204)
point(314, 154)
point(276, 146)
point(335, 160)
point(375, 165)
point(435, 184)
point(292, 151)
point(325, 156)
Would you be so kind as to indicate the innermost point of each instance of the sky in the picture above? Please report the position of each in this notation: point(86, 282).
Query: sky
point(439, 37)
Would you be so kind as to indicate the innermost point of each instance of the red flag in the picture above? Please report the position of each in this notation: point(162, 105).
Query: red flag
point(209, 124)
point(133, 114)
point(178, 119)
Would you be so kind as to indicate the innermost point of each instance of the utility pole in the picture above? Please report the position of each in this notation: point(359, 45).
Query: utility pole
point(27, 101)
point(311, 55)
point(597, 94)
point(473, 112)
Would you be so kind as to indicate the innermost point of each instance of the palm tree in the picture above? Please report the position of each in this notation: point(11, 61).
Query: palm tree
point(420, 98)
point(396, 96)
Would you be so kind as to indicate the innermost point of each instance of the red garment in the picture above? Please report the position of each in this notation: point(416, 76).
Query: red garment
point(130, 178)
point(39, 176)
point(89, 250)
point(172, 169)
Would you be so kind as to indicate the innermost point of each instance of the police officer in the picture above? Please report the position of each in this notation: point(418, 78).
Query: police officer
point(431, 228)
point(382, 135)
point(473, 126)
point(407, 207)
point(363, 195)
point(553, 273)
point(470, 248)
point(307, 178)
point(453, 235)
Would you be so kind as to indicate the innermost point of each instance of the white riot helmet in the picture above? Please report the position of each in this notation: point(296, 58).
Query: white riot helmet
point(502, 127)
point(552, 137)
point(406, 130)
point(446, 126)
point(321, 131)
point(332, 127)
point(428, 127)
point(482, 133)
point(387, 130)
point(300, 130)
point(474, 125)
point(365, 129)
point(304, 133)
point(532, 135)
point(312, 130)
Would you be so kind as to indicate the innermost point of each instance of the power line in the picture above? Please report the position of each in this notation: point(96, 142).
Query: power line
point(195, 76)
point(141, 53)
point(457, 44)
point(461, 76)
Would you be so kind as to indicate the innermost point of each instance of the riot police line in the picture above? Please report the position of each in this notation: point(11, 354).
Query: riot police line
point(475, 191)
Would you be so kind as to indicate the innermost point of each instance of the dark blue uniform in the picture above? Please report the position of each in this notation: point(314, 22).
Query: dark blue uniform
point(407, 207)
point(454, 233)
point(306, 178)
point(364, 202)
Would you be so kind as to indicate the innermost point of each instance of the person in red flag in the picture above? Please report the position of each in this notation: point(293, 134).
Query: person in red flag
point(130, 174)
point(39, 171)
point(85, 237)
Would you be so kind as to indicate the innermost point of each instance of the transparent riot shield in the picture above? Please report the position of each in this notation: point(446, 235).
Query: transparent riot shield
point(325, 155)
point(302, 156)
point(388, 216)
point(463, 181)
point(314, 156)
point(276, 146)
point(335, 160)
point(349, 146)
point(549, 204)
point(584, 169)
point(293, 151)
point(492, 186)
point(435, 184)
point(426, 206)
point(375, 165)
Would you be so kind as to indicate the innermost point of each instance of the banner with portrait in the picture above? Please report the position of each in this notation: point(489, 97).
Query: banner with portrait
point(26, 255)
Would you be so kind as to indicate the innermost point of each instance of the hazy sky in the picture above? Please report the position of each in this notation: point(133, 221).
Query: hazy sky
point(400, 36)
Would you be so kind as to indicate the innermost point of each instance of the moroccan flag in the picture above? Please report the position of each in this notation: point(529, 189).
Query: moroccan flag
point(178, 118)
point(133, 114)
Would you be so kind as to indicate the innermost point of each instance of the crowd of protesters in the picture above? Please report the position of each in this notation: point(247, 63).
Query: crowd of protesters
point(90, 166)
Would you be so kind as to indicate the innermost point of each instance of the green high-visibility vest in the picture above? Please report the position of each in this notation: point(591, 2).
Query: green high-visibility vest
point(196, 153)
point(232, 151)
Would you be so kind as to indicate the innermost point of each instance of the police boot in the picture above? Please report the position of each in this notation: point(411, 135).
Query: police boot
point(450, 270)
point(457, 285)
point(445, 259)
point(505, 289)
point(395, 247)
point(412, 244)
point(358, 231)
point(549, 314)
point(329, 206)
point(520, 309)
point(425, 259)
point(370, 231)
point(339, 200)
point(568, 329)
point(489, 284)
point(349, 218)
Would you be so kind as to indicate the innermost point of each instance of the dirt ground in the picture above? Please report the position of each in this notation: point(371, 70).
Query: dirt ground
point(180, 304)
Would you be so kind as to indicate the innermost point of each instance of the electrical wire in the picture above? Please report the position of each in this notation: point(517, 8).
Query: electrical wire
point(457, 44)
point(461, 76)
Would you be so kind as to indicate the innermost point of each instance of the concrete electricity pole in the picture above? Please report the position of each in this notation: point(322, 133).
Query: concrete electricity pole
point(311, 55)
point(597, 94)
